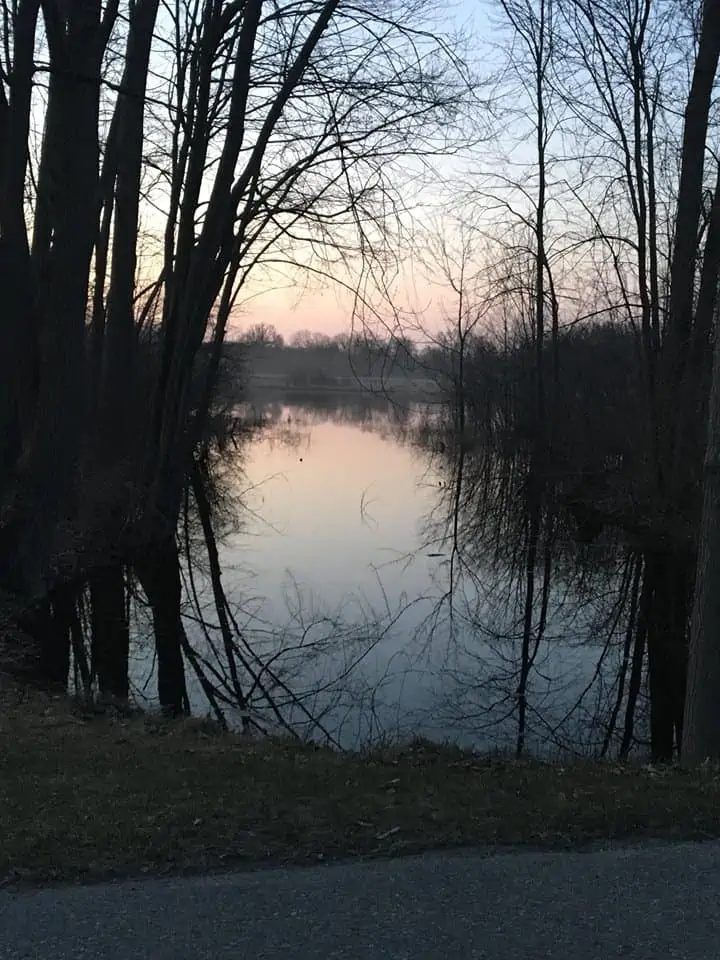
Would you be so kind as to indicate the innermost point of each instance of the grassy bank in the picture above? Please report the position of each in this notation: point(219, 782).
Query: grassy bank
point(83, 798)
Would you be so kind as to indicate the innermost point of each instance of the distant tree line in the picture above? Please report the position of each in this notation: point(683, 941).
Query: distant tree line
point(309, 359)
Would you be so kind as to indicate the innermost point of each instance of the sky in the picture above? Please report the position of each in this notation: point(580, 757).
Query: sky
point(321, 311)
point(328, 308)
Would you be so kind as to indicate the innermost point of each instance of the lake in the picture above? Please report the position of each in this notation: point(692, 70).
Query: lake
point(342, 578)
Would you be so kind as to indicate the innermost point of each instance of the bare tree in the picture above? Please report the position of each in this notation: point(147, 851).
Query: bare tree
point(534, 28)
point(610, 253)
point(229, 138)
point(701, 737)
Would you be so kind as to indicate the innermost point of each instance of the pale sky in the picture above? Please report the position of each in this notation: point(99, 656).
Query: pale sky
point(329, 309)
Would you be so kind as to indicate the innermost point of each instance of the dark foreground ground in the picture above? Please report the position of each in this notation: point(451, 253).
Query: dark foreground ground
point(86, 798)
point(654, 903)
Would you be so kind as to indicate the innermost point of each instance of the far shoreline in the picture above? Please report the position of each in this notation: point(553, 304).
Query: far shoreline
point(417, 390)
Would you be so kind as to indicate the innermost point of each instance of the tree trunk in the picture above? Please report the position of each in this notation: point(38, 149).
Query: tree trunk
point(56, 660)
point(17, 375)
point(15, 126)
point(702, 709)
point(82, 671)
point(670, 579)
point(18, 357)
point(702, 716)
point(203, 508)
point(62, 252)
point(681, 441)
point(110, 630)
point(638, 657)
point(689, 207)
point(118, 358)
point(534, 519)
point(159, 572)
point(49, 624)
point(637, 569)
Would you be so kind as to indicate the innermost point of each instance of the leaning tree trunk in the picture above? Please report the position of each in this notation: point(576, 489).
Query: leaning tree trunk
point(702, 709)
point(681, 447)
point(158, 570)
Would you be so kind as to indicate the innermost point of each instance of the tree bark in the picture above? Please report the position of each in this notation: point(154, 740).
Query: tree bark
point(56, 659)
point(49, 624)
point(702, 708)
point(637, 569)
point(203, 508)
point(689, 207)
point(671, 576)
point(159, 573)
point(110, 630)
point(636, 670)
point(18, 357)
point(15, 127)
point(119, 332)
point(702, 717)
point(681, 441)
point(62, 252)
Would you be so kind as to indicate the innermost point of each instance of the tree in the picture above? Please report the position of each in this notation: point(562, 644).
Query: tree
point(224, 139)
point(627, 238)
point(702, 717)
point(533, 26)
point(623, 56)
point(263, 335)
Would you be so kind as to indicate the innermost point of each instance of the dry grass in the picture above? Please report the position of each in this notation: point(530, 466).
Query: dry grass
point(85, 798)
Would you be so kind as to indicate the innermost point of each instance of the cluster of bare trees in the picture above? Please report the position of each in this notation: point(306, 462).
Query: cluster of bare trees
point(153, 157)
point(157, 157)
point(608, 200)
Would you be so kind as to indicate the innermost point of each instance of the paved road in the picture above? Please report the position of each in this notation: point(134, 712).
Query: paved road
point(654, 903)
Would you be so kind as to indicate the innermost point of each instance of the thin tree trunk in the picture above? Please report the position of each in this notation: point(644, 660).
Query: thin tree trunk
point(82, 669)
point(119, 330)
point(627, 647)
point(525, 661)
point(203, 508)
point(636, 671)
point(535, 29)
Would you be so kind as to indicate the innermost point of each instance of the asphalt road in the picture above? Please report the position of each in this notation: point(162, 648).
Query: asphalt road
point(654, 903)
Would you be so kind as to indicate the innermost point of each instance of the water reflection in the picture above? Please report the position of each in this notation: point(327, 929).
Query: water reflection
point(362, 573)
point(335, 501)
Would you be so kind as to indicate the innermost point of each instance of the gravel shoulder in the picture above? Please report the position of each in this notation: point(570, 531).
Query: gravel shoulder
point(659, 901)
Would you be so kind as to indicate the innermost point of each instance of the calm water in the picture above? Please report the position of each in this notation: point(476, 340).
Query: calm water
point(337, 577)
